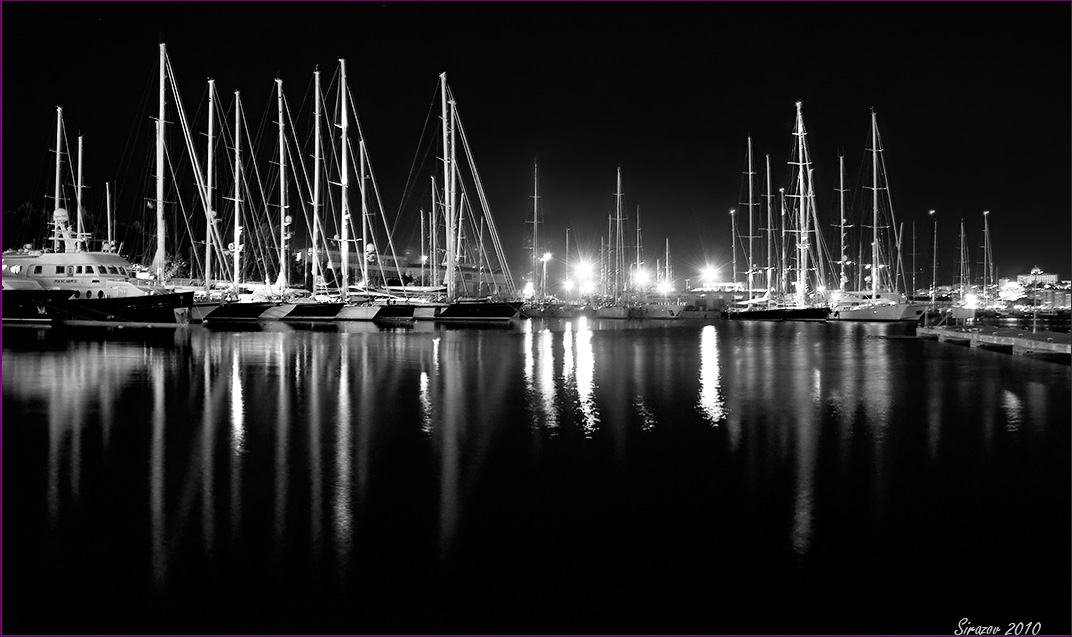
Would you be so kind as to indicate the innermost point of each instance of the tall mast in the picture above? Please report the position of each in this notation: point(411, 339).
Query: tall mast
point(751, 230)
point(317, 159)
point(78, 200)
point(874, 207)
point(566, 266)
point(964, 280)
point(733, 244)
point(783, 271)
point(455, 211)
point(535, 225)
point(433, 238)
point(667, 277)
point(802, 214)
point(913, 257)
point(448, 185)
point(211, 216)
point(364, 212)
point(282, 190)
point(158, 259)
point(986, 254)
point(608, 284)
point(236, 249)
point(934, 259)
point(108, 213)
point(56, 190)
point(770, 232)
point(619, 242)
point(344, 242)
point(843, 280)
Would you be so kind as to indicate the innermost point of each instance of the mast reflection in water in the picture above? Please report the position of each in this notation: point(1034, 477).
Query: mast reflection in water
point(579, 476)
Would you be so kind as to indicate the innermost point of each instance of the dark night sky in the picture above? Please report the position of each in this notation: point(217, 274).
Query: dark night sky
point(972, 100)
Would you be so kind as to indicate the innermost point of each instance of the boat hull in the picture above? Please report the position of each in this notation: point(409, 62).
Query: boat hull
point(489, 312)
point(33, 305)
point(313, 312)
point(780, 314)
point(237, 313)
point(166, 310)
point(885, 313)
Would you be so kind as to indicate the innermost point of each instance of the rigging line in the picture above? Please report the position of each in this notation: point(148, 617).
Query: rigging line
point(185, 217)
point(500, 253)
point(388, 228)
point(415, 166)
point(262, 245)
point(298, 159)
point(194, 162)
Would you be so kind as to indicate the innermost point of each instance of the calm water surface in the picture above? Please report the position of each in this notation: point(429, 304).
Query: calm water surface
point(556, 477)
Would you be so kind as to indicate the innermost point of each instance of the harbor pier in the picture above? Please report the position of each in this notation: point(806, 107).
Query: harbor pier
point(1019, 341)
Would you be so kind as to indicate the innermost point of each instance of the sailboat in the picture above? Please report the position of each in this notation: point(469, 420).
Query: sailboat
point(615, 280)
point(473, 294)
point(74, 285)
point(883, 302)
point(798, 306)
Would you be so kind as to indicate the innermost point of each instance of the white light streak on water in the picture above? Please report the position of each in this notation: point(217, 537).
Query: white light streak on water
point(238, 409)
point(1013, 407)
point(567, 354)
point(547, 379)
point(647, 417)
point(426, 403)
point(711, 402)
point(586, 365)
point(341, 506)
point(208, 444)
point(156, 479)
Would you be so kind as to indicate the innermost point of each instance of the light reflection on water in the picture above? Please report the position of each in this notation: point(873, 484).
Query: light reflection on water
point(387, 440)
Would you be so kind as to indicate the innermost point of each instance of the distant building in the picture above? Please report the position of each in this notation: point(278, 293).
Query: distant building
point(1042, 278)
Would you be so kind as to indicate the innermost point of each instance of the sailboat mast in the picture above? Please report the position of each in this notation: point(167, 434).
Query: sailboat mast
point(986, 254)
point(963, 262)
point(913, 257)
point(282, 190)
point(448, 183)
point(934, 258)
point(843, 280)
point(770, 233)
point(667, 277)
point(158, 259)
point(211, 216)
point(236, 249)
point(108, 215)
point(783, 271)
point(455, 211)
point(344, 242)
point(619, 243)
point(751, 231)
point(365, 254)
point(78, 200)
point(317, 159)
point(802, 212)
point(874, 207)
point(566, 266)
point(733, 244)
point(56, 189)
point(535, 225)
point(433, 238)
